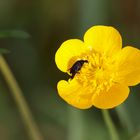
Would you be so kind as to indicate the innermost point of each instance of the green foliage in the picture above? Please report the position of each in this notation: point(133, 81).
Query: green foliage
point(3, 51)
point(14, 34)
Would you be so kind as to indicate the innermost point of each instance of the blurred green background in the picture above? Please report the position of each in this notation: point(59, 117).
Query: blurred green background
point(32, 30)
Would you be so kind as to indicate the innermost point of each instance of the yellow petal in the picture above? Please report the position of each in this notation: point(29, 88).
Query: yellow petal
point(74, 94)
point(129, 66)
point(69, 50)
point(103, 39)
point(115, 96)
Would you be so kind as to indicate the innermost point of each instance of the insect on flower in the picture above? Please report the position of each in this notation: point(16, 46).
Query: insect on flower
point(101, 69)
point(77, 67)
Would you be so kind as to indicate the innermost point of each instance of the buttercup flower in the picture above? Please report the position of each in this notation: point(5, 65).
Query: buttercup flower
point(100, 70)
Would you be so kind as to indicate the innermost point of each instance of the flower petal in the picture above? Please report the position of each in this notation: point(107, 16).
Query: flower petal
point(70, 49)
point(74, 94)
point(129, 66)
point(115, 96)
point(103, 39)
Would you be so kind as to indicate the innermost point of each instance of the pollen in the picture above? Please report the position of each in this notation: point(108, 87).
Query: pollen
point(98, 74)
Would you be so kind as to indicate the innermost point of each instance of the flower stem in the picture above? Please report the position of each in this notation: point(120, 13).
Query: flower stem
point(125, 118)
point(76, 125)
point(26, 115)
point(110, 125)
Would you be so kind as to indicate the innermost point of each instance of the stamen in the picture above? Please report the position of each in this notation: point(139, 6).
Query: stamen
point(95, 74)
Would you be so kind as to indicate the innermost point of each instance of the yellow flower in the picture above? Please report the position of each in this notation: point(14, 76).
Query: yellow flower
point(106, 71)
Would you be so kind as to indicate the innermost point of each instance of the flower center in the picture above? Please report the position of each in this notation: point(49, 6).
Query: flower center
point(98, 74)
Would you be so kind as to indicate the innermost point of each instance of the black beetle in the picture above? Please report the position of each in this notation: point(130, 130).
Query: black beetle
point(76, 67)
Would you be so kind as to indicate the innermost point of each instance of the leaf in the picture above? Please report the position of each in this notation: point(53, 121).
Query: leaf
point(3, 51)
point(14, 34)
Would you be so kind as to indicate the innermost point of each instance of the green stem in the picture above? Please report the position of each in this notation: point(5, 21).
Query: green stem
point(110, 125)
point(76, 125)
point(125, 118)
point(26, 115)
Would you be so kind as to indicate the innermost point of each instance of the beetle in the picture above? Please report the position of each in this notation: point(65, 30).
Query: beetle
point(77, 67)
